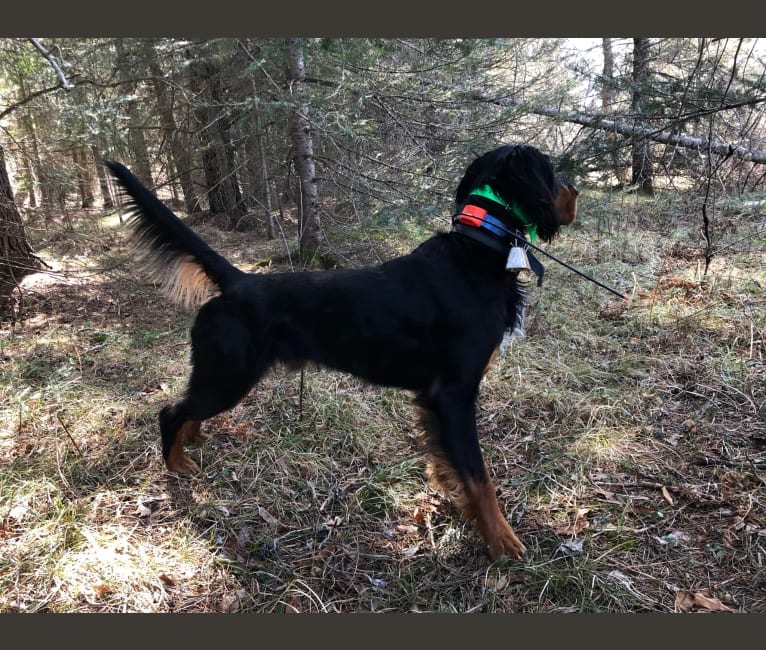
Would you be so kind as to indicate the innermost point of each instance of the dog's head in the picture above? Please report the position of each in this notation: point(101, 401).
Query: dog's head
point(523, 176)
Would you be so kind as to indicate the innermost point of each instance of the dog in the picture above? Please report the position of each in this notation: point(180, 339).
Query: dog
point(430, 321)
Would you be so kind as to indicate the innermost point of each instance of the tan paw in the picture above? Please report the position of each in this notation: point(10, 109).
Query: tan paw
point(180, 463)
point(505, 542)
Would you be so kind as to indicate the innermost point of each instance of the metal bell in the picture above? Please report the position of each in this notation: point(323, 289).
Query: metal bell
point(517, 260)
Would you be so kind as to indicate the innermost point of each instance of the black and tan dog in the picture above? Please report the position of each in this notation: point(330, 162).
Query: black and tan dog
point(429, 321)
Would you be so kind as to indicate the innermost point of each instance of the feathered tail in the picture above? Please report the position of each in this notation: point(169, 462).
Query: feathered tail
point(173, 254)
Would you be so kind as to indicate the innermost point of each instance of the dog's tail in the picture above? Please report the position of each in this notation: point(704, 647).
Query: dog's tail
point(188, 269)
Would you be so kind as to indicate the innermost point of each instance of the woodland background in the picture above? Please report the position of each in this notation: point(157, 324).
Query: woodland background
point(641, 435)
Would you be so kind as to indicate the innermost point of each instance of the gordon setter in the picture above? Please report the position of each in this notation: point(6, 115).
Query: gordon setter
point(430, 321)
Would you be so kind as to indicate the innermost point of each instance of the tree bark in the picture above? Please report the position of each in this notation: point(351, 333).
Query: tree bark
point(252, 162)
point(256, 181)
point(256, 184)
point(40, 169)
point(271, 226)
point(182, 158)
point(84, 176)
point(28, 182)
point(16, 257)
point(218, 161)
point(608, 98)
point(103, 183)
point(136, 140)
point(642, 173)
point(310, 233)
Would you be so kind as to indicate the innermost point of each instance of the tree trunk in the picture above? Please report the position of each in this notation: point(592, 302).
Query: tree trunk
point(40, 168)
point(84, 177)
point(256, 184)
point(103, 183)
point(28, 179)
point(310, 234)
point(182, 159)
point(16, 257)
point(218, 160)
point(598, 122)
point(252, 162)
point(643, 174)
point(271, 226)
point(136, 140)
point(608, 98)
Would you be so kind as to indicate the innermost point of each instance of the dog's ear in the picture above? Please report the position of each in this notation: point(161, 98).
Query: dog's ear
point(525, 177)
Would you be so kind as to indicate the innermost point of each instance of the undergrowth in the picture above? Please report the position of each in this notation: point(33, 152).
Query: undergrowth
point(627, 441)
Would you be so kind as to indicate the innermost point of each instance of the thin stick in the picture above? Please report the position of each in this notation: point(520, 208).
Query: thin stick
point(69, 435)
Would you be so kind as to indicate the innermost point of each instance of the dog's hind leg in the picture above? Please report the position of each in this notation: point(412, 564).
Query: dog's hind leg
point(176, 429)
point(226, 364)
point(457, 466)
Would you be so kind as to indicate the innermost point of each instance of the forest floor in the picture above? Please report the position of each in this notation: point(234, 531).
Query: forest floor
point(627, 440)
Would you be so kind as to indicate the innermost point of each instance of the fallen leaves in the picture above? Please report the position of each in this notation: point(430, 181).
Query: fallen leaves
point(167, 580)
point(572, 547)
point(690, 426)
point(232, 602)
point(426, 507)
point(148, 504)
point(411, 551)
point(688, 601)
point(270, 519)
point(19, 511)
point(674, 538)
point(577, 524)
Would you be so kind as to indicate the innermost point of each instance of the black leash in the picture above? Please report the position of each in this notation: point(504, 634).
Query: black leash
point(522, 242)
point(519, 237)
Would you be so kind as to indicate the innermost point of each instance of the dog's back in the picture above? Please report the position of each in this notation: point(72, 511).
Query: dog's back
point(401, 323)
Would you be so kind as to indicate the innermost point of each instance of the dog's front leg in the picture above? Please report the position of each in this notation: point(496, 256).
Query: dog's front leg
point(448, 416)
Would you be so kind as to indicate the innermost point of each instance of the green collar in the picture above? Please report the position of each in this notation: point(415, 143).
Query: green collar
point(488, 193)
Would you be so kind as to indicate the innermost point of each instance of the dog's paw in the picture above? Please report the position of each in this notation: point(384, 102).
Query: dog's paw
point(181, 464)
point(505, 543)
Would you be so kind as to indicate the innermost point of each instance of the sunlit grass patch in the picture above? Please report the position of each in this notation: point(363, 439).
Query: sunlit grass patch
point(606, 445)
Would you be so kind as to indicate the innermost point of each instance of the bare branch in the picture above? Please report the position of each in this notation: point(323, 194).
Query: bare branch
point(77, 81)
point(625, 128)
point(657, 135)
point(27, 99)
point(54, 64)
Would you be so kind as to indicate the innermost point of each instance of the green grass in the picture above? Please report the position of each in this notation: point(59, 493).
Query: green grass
point(627, 441)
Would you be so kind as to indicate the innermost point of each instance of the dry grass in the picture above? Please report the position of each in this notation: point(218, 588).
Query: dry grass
point(628, 443)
